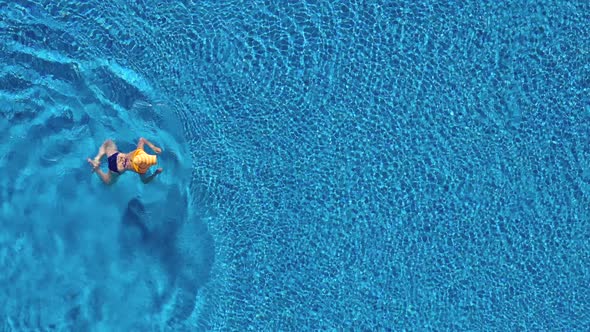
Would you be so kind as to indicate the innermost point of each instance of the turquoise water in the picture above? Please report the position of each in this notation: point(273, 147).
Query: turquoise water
point(328, 166)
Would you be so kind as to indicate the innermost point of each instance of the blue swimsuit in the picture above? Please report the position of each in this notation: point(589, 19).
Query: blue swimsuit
point(113, 162)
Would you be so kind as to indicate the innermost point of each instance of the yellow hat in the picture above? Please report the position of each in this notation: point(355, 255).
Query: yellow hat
point(142, 161)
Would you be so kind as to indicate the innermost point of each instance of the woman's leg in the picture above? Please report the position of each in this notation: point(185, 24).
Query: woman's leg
point(105, 177)
point(108, 147)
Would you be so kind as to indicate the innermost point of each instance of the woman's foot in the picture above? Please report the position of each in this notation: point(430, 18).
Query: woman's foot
point(95, 164)
point(158, 171)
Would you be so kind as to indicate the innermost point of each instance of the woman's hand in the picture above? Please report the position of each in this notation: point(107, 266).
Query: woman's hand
point(157, 150)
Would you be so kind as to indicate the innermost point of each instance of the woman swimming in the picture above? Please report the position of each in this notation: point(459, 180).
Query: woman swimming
point(137, 160)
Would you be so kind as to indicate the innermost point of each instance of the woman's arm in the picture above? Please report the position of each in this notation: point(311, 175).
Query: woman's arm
point(147, 179)
point(143, 141)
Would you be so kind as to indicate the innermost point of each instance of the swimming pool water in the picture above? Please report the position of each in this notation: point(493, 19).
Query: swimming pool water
point(328, 166)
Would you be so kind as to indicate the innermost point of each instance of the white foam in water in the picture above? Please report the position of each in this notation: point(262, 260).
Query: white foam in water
point(76, 220)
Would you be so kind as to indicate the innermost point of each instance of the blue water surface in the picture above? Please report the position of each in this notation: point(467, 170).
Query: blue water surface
point(343, 165)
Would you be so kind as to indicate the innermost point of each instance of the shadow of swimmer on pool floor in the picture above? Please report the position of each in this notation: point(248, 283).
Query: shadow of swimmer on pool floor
point(182, 248)
point(137, 161)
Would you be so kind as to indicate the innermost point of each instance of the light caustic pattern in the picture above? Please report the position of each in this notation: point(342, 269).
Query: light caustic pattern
point(358, 165)
point(77, 255)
